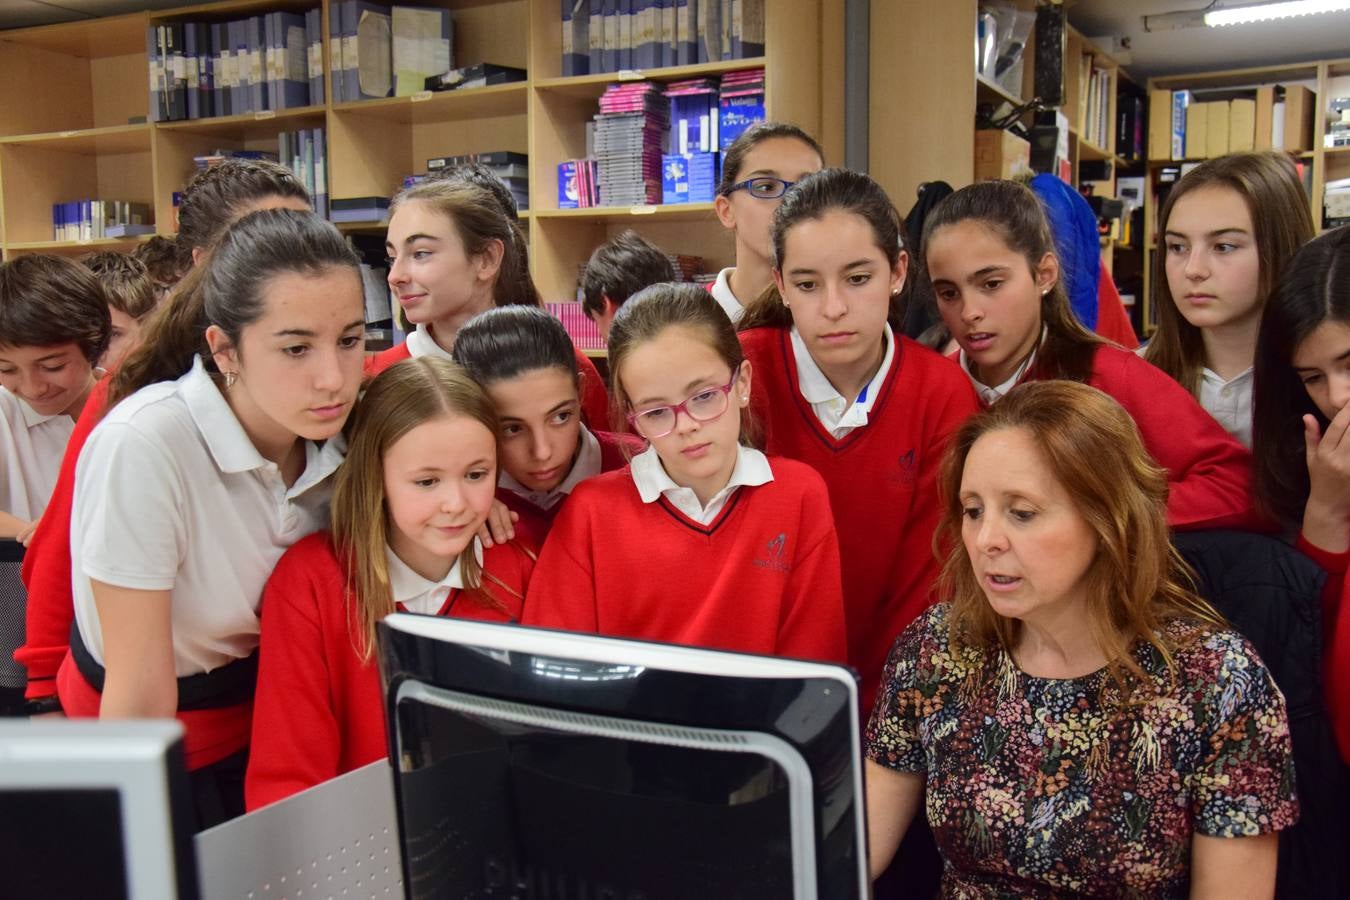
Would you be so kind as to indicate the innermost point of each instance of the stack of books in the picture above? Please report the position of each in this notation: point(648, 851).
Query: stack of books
point(687, 268)
point(305, 153)
point(271, 61)
point(741, 104)
point(630, 135)
point(92, 220)
point(693, 115)
point(584, 334)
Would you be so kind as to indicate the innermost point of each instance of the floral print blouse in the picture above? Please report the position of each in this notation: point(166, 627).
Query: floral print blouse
point(1037, 787)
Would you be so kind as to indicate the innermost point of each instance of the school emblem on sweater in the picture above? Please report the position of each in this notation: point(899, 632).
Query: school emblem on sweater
point(775, 555)
point(906, 470)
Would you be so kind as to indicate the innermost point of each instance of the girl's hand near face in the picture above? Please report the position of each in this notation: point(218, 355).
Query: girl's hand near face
point(1326, 518)
point(500, 525)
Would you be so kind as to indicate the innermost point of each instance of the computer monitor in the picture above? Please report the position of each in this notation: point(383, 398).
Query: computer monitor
point(536, 763)
point(94, 809)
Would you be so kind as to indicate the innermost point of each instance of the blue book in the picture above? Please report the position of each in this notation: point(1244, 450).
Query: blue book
point(611, 58)
point(568, 196)
point(374, 51)
point(568, 65)
point(269, 59)
point(237, 66)
point(627, 33)
point(646, 31)
point(194, 110)
point(206, 70)
point(220, 48)
point(747, 36)
point(335, 63)
point(596, 30)
point(257, 83)
point(155, 109)
point(320, 173)
point(291, 81)
point(686, 35)
point(314, 55)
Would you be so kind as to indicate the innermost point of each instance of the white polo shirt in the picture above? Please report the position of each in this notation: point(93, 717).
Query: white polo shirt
point(416, 593)
point(31, 448)
point(171, 495)
point(421, 343)
point(586, 465)
point(836, 412)
point(1229, 402)
point(721, 292)
point(652, 480)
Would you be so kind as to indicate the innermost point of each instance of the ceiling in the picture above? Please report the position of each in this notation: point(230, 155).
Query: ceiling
point(1324, 36)
point(23, 13)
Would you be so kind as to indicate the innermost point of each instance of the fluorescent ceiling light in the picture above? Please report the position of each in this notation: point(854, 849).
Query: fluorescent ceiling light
point(1263, 12)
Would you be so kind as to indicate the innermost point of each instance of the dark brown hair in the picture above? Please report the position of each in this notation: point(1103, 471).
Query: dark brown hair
point(811, 199)
point(620, 268)
point(1014, 214)
point(214, 196)
point(478, 219)
point(1136, 582)
point(125, 281)
point(651, 311)
point(47, 300)
point(1314, 290)
point(1269, 184)
point(734, 156)
point(164, 260)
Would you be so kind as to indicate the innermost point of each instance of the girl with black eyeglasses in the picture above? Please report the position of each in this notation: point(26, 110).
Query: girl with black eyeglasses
point(702, 540)
point(766, 160)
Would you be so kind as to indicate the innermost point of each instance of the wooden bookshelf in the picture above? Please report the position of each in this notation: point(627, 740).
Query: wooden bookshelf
point(72, 123)
point(1325, 78)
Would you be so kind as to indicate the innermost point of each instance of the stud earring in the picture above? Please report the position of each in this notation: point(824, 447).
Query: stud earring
point(230, 379)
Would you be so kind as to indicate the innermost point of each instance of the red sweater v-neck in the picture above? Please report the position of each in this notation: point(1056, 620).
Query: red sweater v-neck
point(762, 577)
point(882, 479)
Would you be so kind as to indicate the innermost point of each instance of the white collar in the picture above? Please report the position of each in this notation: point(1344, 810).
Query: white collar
point(421, 343)
point(721, 292)
point(650, 476)
point(586, 465)
point(407, 586)
point(991, 395)
point(231, 447)
point(816, 388)
point(1217, 380)
point(31, 417)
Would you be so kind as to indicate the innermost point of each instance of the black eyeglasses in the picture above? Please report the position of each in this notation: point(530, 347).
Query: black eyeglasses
point(763, 187)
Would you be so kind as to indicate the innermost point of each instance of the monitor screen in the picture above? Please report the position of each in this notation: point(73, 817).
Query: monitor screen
point(94, 809)
point(543, 764)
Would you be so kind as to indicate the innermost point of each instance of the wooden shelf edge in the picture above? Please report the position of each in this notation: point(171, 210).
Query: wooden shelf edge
point(661, 213)
point(258, 118)
point(436, 98)
point(78, 134)
point(665, 73)
point(982, 83)
point(100, 244)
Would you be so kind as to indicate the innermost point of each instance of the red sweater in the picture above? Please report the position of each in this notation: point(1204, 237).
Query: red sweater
point(1335, 639)
point(594, 397)
point(1209, 474)
point(882, 479)
point(319, 709)
point(762, 577)
point(534, 523)
point(46, 563)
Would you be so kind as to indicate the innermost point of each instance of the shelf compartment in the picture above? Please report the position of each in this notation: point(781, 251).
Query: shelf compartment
point(79, 247)
point(41, 173)
point(987, 91)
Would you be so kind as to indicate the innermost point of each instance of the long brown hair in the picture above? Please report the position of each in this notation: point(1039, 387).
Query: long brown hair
point(651, 311)
point(811, 199)
point(1014, 214)
point(399, 399)
point(478, 219)
point(1137, 582)
point(1269, 184)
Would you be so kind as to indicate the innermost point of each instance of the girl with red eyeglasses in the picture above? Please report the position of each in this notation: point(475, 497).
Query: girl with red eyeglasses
point(702, 540)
